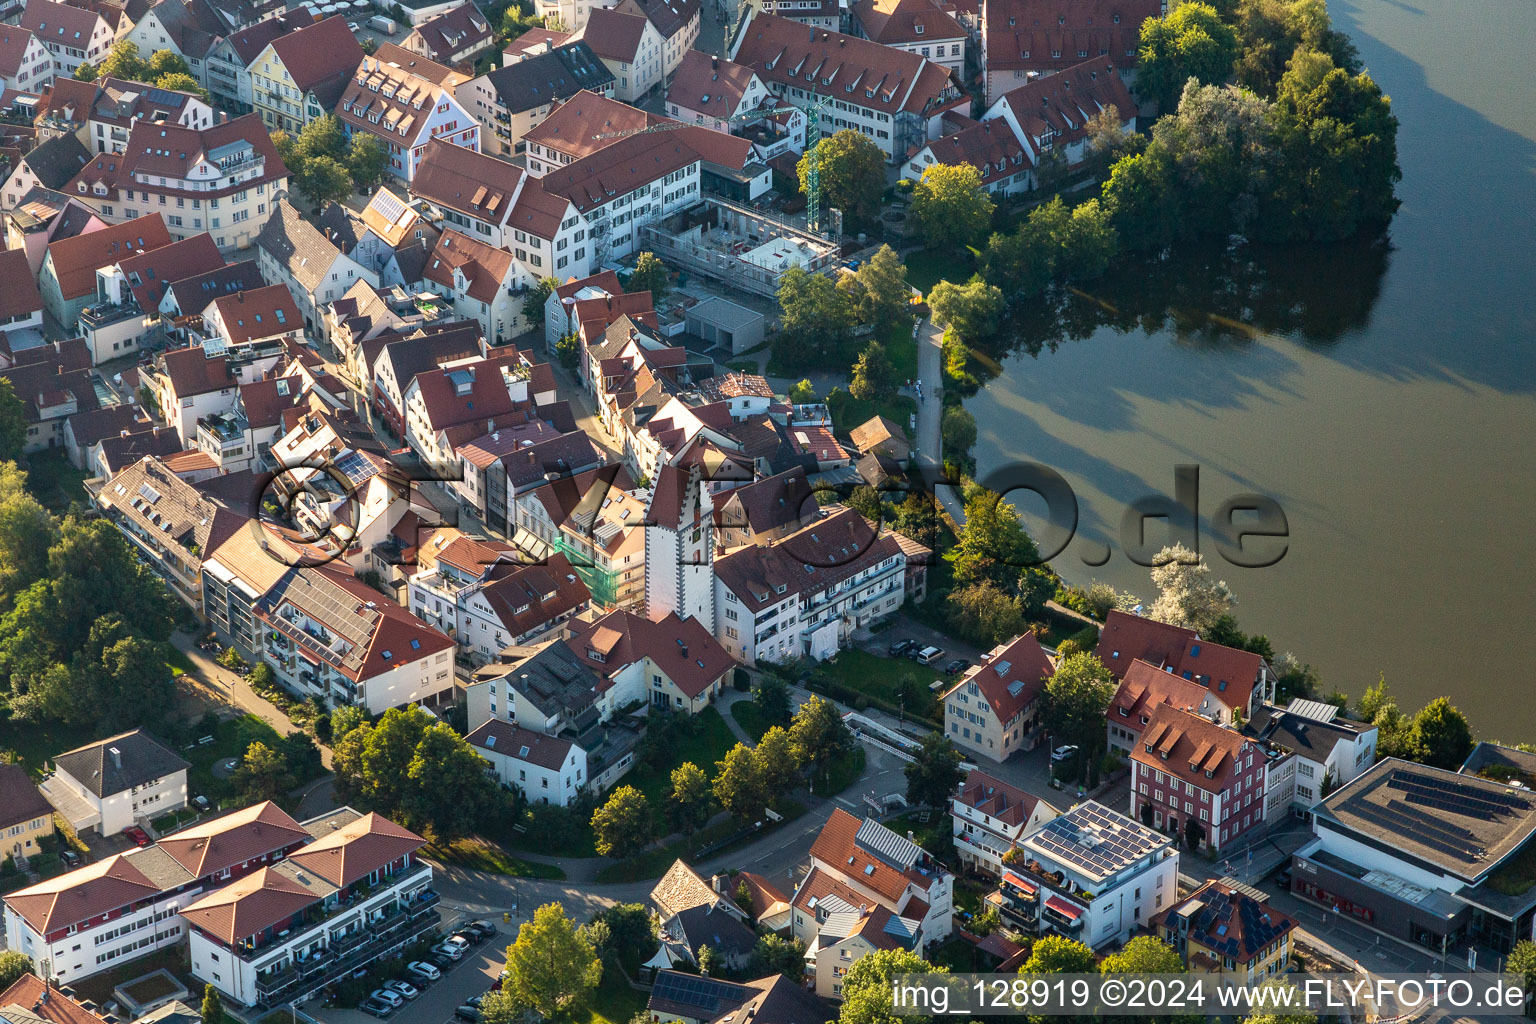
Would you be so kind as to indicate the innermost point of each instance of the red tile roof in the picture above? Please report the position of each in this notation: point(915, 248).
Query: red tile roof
point(620, 169)
point(1127, 637)
point(259, 313)
point(509, 740)
point(1187, 746)
point(607, 280)
point(357, 849)
point(173, 151)
point(890, 22)
point(1064, 102)
point(1012, 678)
point(1072, 29)
point(247, 905)
point(669, 16)
point(60, 23)
point(231, 840)
point(20, 799)
point(20, 296)
point(1145, 686)
point(995, 798)
point(531, 596)
point(883, 78)
point(318, 53)
point(79, 895)
point(813, 558)
point(398, 88)
point(835, 847)
point(989, 146)
point(76, 260)
point(191, 372)
point(613, 34)
point(1228, 673)
point(14, 41)
point(484, 267)
point(28, 992)
point(158, 269)
point(683, 650)
point(709, 85)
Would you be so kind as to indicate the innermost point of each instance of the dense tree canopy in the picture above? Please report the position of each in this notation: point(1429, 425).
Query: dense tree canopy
point(1075, 699)
point(814, 318)
point(1190, 41)
point(551, 967)
point(952, 207)
point(650, 274)
point(877, 290)
point(934, 772)
point(852, 175)
point(622, 826)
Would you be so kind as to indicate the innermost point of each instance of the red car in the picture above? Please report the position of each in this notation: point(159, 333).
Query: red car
point(138, 835)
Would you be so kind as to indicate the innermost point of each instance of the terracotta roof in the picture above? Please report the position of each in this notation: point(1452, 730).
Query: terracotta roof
point(174, 151)
point(595, 316)
point(248, 904)
point(409, 357)
point(1193, 746)
point(118, 763)
point(538, 211)
point(619, 169)
point(20, 296)
point(20, 799)
point(890, 22)
point(734, 385)
point(837, 847)
point(989, 146)
point(1012, 677)
point(767, 504)
point(534, 595)
point(512, 741)
point(878, 434)
point(1145, 686)
point(605, 280)
point(60, 23)
point(778, 1000)
point(1072, 28)
point(485, 267)
point(709, 85)
point(229, 841)
point(156, 270)
point(765, 895)
point(356, 849)
point(395, 86)
point(996, 798)
point(1063, 103)
point(76, 260)
point(250, 41)
point(75, 896)
point(320, 55)
point(483, 396)
point(883, 78)
point(1127, 637)
point(572, 127)
point(14, 42)
point(613, 34)
point(387, 216)
point(813, 558)
point(262, 313)
point(818, 884)
point(29, 992)
point(192, 372)
point(683, 650)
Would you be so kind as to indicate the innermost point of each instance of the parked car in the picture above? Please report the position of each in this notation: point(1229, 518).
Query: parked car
point(70, 857)
point(901, 647)
point(1061, 754)
point(405, 988)
point(928, 655)
point(957, 666)
point(467, 1012)
point(138, 835)
point(376, 1008)
point(386, 995)
point(424, 969)
point(452, 952)
point(439, 960)
point(459, 941)
point(485, 928)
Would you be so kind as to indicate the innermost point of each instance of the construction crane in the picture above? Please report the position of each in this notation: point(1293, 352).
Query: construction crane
point(810, 107)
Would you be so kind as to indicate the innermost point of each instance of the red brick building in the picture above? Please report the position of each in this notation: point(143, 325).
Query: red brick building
point(1187, 768)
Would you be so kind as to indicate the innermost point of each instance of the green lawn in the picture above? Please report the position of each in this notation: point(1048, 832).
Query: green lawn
point(750, 718)
point(651, 863)
point(704, 748)
point(955, 955)
point(230, 738)
point(900, 349)
point(481, 856)
point(926, 268)
point(612, 1002)
point(55, 482)
point(898, 683)
point(848, 412)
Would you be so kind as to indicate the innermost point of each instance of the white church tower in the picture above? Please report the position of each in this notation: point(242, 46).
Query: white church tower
point(679, 547)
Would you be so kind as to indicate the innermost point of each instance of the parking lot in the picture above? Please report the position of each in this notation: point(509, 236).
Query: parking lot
point(471, 976)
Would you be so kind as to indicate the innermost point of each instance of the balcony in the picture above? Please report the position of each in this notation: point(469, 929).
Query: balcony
point(106, 314)
point(335, 962)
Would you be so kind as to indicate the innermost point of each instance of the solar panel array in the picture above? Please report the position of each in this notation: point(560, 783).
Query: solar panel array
point(1259, 926)
point(693, 990)
point(389, 206)
point(896, 850)
point(1097, 839)
point(1397, 817)
point(1457, 797)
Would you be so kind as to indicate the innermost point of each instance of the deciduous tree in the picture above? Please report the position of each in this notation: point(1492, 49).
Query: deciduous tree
point(878, 289)
point(13, 423)
point(985, 614)
point(971, 310)
point(818, 733)
point(263, 774)
point(777, 761)
point(690, 803)
point(550, 967)
point(213, 1006)
point(1075, 699)
point(1057, 954)
point(738, 784)
point(1441, 734)
point(872, 374)
point(1190, 41)
point(952, 207)
point(775, 954)
point(869, 982)
point(1144, 954)
point(533, 303)
point(367, 162)
point(852, 174)
point(650, 274)
point(958, 431)
point(1188, 595)
point(934, 772)
point(14, 965)
point(814, 318)
point(622, 826)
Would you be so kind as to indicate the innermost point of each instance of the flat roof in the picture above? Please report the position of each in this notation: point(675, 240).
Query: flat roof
point(1095, 841)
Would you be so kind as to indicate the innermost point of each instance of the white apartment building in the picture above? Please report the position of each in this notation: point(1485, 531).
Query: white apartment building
point(73, 35)
point(990, 817)
point(405, 101)
point(1311, 752)
point(548, 769)
point(630, 47)
point(25, 63)
point(117, 782)
point(804, 595)
point(1091, 874)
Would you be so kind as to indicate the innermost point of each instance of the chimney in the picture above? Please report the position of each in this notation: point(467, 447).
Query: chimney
point(117, 757)
point(863, 909)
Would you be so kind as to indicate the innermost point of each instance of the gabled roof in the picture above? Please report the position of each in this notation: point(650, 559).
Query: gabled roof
point(14, 43)
point(20, 799)
point(192, 294)
point(768, 504)
point(669, 16)
point(1230, 674)
point(60, 23)
point(616, 170)
point(75, 896)
point(573, 127)
point(455, 31)
point(996, 798)
point(1055, 34)
point(547, 77)
point(250, 41)
point(46, 1003)
point(356, 849)
point(683, 650)
point(881, 78)
point(989, 146)
point(151, 274)
point(812, 559)
point(614, 35)
point(484, 267)
point(231, 840)
point(394, 87)
point(163, 149)
point(262, 313)
point(20, 296)
point(320, 57)
point(1063, 103)
point(892, 22)
point(533, 595)
point(1012, 677)
point(870, 855)
point(117, 763)
point(709, 85)
point(192, 372)
point(76, 260)
point(297, 246)
point(475, 184)
point(878, 434)
point(1145, 686)
point(1127, 637)
point(680, 889)
point(508, 740)
point(1191, 748)
point(1225, 918)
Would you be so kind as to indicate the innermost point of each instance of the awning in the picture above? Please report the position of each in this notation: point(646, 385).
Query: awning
point(1065, 909)
point(1028, 888)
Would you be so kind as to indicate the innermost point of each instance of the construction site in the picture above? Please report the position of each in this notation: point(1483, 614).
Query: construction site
point(737, 245)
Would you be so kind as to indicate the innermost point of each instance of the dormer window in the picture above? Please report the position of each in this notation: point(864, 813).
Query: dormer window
point(918, 29)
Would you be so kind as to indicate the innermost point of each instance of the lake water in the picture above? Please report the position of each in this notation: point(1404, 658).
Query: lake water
point(1381, 393)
